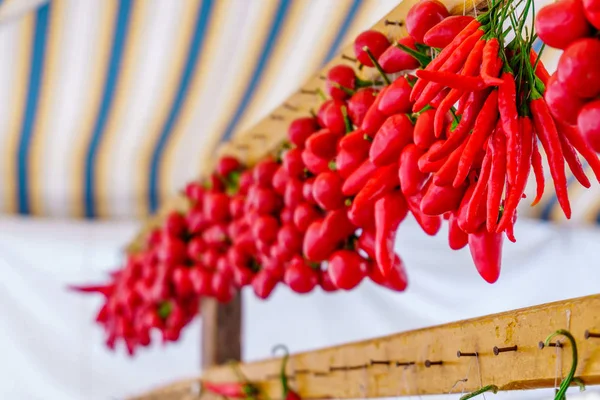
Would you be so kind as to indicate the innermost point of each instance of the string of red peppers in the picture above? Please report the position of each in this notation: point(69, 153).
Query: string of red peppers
point(455, 141)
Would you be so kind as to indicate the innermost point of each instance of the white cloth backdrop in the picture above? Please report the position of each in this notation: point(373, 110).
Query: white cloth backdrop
point(51, 350)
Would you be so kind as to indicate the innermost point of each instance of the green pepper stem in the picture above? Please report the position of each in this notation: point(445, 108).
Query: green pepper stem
point(377, 66)
point(420, 57)
point(282, 375)
point(488, 388)
point(347, 121)
point(560, 395)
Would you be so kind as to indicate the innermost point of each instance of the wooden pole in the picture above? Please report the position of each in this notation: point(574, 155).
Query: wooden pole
point(221, 331)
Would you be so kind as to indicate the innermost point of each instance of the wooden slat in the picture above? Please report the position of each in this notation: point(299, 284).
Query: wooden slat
point(269, 133)
point(527, 368)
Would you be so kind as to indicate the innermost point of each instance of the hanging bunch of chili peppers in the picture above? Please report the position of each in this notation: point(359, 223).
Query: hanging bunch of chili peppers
point(454, 138)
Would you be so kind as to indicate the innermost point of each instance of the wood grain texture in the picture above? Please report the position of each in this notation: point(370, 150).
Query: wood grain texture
point(221, 331)
point(270, 132)
point(527, 368)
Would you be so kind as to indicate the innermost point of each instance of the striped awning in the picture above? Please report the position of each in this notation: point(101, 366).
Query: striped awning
point(110, 106)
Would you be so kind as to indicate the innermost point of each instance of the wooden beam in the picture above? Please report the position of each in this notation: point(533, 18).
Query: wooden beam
point(221, 331)
point(348, 371)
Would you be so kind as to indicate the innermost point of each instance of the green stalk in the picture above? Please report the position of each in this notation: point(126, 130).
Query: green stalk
point(488, 388)
point(377, 66)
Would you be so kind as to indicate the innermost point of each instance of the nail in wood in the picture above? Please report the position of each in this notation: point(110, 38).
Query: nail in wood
point(589, 334)
point(541, 345)
point(380, 362)
point(404, 364)
point(498, 350)
point(430, 363)
point(460, 354)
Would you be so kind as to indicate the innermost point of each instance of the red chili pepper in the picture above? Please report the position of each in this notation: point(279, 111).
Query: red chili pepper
point(233, 389)
point(359, 104)
point(384, 181)
point(540, 70)
point(315, 247)
point(359, 178)
point(524, 167)
point(507, 106)
point(390, 210)
point(462, 103)
point(457, 238)
point(538, 171)
point(484, 125)
point(430, 224)
point(445, 175)
point(444, 32)
point(437, 100)
point(489, 61)
point(582, 146)
point(392, 137)
point(573, 161)
point(546, 131)
point(457, 81)
point(423, 134)
point(327, 191)
point(486, 251)
point(497, 148)
point(427, 166)
point(452, 64)
point(374, 118)
point(347, 162)
point(105, 290)
point(336, 226)
point(457, 136)
point(396, 99)
point(438, 61)
point(323, 143)
point(355, 142)
point(366, 242)
point(479, 195)
point(471, 67)
point(314, 164)
point(438, 200)
point(411, 178)
point(466, 225)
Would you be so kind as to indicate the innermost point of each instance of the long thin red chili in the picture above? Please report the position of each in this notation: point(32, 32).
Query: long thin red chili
point(458, 135)
point(524, 167)
point(457, 81)
point(484, 125)
point(573, 161)
point(471, 67)
point(540, 70)
point(538, 171)
point(445, 175)
point(477, 200)
point(489, 62)
point(497, 178)
point(546, 131)
point(586, 151)
point(462, 103)
point(444, 54)
point(507, 106)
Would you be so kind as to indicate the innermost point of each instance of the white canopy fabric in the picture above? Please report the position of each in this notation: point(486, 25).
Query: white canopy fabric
point(51, 349)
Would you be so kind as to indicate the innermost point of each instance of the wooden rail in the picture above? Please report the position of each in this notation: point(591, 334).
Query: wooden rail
point(426, 361)
point(268, 134)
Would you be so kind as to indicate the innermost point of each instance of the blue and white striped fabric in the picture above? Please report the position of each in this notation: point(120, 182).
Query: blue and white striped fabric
point(110, 106)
